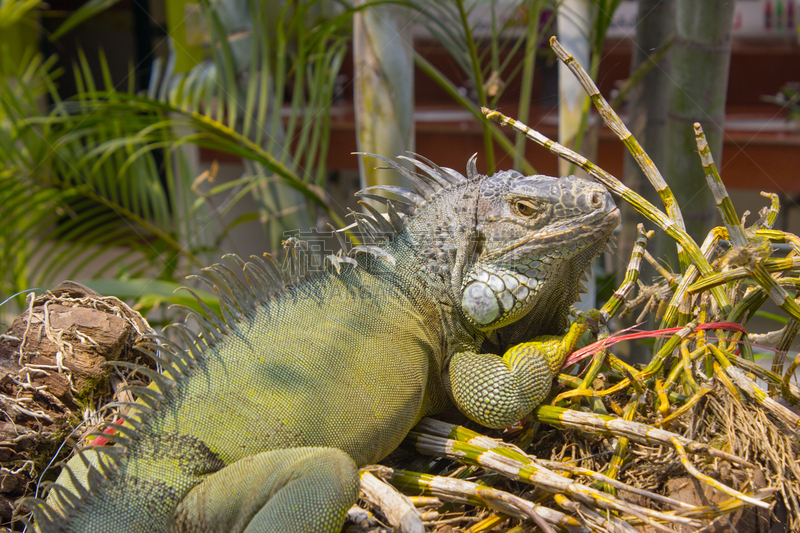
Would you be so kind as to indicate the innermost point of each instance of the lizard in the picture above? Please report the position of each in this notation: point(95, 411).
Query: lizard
point(263, 414)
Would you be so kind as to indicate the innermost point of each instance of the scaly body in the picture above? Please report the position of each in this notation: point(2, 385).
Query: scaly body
point(262, 424)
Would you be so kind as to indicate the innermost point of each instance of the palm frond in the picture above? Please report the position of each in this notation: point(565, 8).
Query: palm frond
point(483, 56)
point(99, 185)
point(70, 204)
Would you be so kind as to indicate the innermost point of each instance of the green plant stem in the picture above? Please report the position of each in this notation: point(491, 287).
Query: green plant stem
point(497, 134)
point(529, 64)
point(479, 89)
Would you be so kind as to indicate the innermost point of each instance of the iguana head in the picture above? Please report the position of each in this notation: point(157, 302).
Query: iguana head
point(510, 249)
point(536, 235)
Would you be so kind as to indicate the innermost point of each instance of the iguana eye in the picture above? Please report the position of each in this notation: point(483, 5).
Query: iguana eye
point(526, 209)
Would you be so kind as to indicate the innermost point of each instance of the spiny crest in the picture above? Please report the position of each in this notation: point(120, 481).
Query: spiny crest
point(583, 282)
point(431, 180)
point(240, 292)
point(585, 277)
point(374, 227)
point(52, 518)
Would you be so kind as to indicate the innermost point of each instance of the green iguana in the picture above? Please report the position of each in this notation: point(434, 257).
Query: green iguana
point(261, 421)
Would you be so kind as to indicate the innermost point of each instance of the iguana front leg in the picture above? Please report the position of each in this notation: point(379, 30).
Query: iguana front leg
point(295, 489)
point(499, 391)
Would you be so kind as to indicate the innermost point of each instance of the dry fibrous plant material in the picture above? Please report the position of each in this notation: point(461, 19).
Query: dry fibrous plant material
point(54, 378)
point(700, 438)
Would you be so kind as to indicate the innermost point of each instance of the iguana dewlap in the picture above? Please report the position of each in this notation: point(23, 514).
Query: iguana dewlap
point(262, 421)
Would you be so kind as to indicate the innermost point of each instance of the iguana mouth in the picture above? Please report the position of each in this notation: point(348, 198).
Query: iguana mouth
point(590, 231)
point(573, 233)
point(502, 286)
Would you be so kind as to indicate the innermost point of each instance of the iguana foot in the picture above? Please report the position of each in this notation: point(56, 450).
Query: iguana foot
point(497, 392)
point(294, 489)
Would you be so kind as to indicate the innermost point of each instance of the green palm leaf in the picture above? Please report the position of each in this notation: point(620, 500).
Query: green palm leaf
point(99, 185)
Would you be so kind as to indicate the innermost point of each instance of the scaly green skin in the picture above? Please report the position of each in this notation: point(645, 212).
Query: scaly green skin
point(264, 428)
